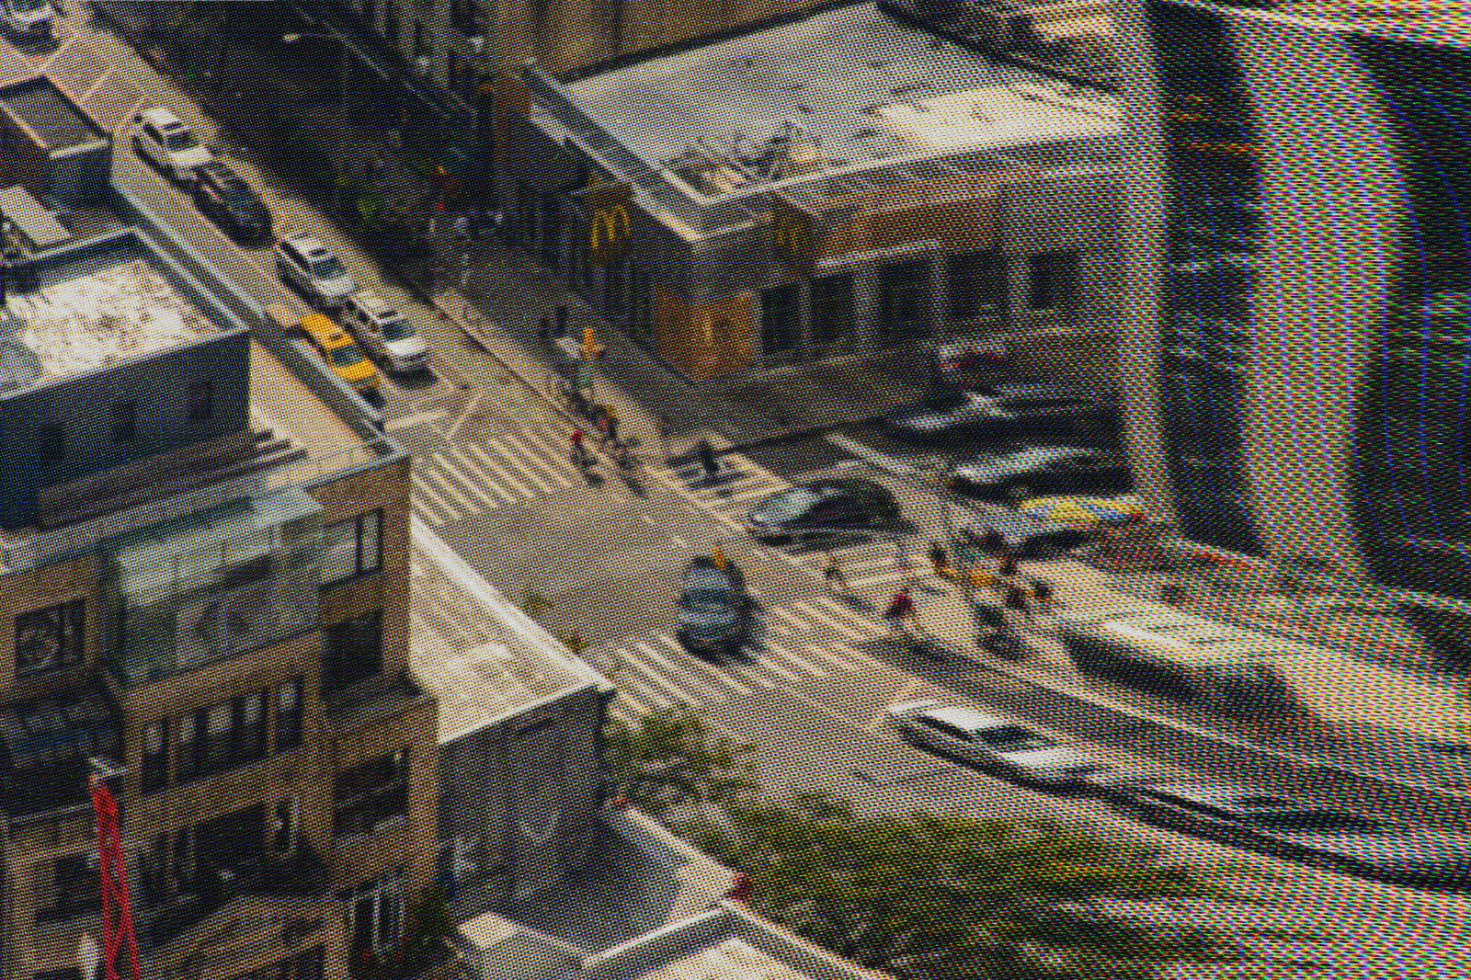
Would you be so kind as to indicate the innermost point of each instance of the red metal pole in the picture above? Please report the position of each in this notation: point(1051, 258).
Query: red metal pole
point(117, 913)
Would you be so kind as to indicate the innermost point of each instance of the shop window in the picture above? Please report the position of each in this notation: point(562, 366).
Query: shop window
point(155, 772)
point(68, 887)
point(370, 794)
point(51, 442)
point(781, 319)
point(354, 650)
point(832, 308)
point(977, 284)
point(50, 639)
point(353, 547)
point(124, 421)
point(1052, 280)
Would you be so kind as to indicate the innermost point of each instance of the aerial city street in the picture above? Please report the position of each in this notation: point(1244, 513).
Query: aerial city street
point(900, 488)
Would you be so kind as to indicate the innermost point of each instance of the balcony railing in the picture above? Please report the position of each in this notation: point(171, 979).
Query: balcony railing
point(302, 874)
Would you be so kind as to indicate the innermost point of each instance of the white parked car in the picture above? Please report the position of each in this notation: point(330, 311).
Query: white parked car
point(307, 264)
point(385, 333)
point(162, 137)
point(993, 742)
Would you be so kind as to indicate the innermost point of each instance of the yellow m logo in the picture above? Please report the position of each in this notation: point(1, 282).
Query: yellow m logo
point(608, 233)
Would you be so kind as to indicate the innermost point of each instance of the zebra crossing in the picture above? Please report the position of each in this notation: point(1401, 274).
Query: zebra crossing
point(804, 641)
point(465, 479)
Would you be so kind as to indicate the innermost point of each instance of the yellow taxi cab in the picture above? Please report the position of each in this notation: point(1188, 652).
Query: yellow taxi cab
point(341, 352)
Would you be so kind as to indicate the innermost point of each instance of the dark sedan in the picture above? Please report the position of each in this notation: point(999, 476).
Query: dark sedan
point(227, 198)
point(715, 611)
point(1031, 538)
point(1007, 414)
point(824, 508)
point(1020, 473)
point(1315, 834)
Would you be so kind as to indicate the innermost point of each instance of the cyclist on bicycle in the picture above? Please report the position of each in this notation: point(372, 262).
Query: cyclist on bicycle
point(833, 574)
point(900, 613)
point(579, 451)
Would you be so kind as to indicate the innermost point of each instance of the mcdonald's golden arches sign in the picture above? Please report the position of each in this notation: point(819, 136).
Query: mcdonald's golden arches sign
point(609, 222)
point(794, 235)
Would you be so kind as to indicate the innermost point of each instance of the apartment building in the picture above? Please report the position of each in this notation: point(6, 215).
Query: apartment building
point(204, 584)
point(732, 208)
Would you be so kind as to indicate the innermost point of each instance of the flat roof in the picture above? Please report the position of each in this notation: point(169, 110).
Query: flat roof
point(1448, 15)
point(101, 311)
point(730, 959)
point(463, 652)
point(883, 94)
point(39, 103)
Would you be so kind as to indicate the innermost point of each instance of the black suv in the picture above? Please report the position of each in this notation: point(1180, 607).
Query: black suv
point(715, 611)
point(823, 508)
point(226, 197)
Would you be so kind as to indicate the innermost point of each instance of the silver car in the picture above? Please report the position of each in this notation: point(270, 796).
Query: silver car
point(996, 743)
point(306, 263)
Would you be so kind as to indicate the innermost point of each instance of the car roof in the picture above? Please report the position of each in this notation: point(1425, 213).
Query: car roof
point(307, 244)
point(370, 301)
point(967, 719)
point(162, 117)
point(322, 326)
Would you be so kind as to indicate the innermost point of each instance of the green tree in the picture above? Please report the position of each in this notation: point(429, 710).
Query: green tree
point(927, 896)
point(670, 757)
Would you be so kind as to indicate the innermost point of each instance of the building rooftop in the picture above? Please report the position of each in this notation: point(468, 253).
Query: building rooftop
point(98, 87)
point(51, 114)
point(463, 650)
point(705, 132)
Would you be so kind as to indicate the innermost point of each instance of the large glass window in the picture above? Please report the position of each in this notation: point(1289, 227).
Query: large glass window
point(155, 772)
point(50, 639)
point(67, 887)
point(352, 547)
point(222, 736)
point(1212, 220)
point(905, 302)
point(1413, 447)
point(354, 650)
point(781, 320)
point(370, 793)
point(1052, 280)
point(978, 284)
point(288, 714)
point(833, 315)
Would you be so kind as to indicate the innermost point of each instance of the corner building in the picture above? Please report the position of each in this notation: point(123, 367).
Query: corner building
point(1296, 369)
point(204, 582)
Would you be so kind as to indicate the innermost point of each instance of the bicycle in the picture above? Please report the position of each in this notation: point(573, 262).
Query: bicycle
point(834, 574)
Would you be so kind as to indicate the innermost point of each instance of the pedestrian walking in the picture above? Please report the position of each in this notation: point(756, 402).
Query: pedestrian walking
point(706, 454)
point(561, 319)
point(544, 328)
point(666, 428)
point(1042, 596)
point(1007, 566)
point(462, 228)
point(993, 544)
point(833, 574)
point(901, 552)
point(900, 611)
point(990, 617)
point(717, 555)
point(1016, 601)
point(939, 559)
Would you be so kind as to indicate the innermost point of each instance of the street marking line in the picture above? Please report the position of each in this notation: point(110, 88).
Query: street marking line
point(719, 677)
point(750, 674)
point(435, 502)
point(443, 475)
point(505, 478)
point(782, 653)
point(469, 408)
point(843, 612)
point(414, 418)
point(648, 692)
point(787, 617)
point(679, 694)
point(679, 542)
point(653, 654)
point(539, 462)
point(429, 517)
point(858, 564)
point(477, 485)
point(528, 468)
point(816, 650)
point(845, 629)
point(492, 474)
point(770, 664)
point(891, 577)
point(649, 520)
point(623, 714)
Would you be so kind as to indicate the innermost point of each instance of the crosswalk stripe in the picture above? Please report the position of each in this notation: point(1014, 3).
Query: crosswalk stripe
point(506, 479)
point(548, 448)
point(858, 564)
point(434, 502)
point(648, 692)
point(787, 617)
point(679, 694)
point(782, 653)
point(486, 467)
point(719, 677)
point(770, 664)
point(440, 476)
point(653, 654)
point(422, 511)
point(845, 629)
point(816, 650)
point(624, 715)
point(482, 479)
point(538, 463)
point(752, 494)
point(890, 577)
point(754, 676)
point(840, 611)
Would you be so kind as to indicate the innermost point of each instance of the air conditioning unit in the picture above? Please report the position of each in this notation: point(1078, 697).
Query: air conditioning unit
point(477, 44)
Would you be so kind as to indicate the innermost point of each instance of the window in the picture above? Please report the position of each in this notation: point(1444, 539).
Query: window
point(72, 888)
point(306, 965)
point(905, 308)
point(375, 914)
point(124, 421)
point(352, 547)
point(832, 308)
point(155, 772)
point(50, 639)
point(1052, 279)
point(222, 736)
point(977, 284)
point(51, 442)
point(288, 714)
point(202, 400)
point(369, 794)
point(781, 319)
point(354, 650)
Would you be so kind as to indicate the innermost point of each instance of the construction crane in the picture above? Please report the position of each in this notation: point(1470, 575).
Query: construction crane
point(117, 913)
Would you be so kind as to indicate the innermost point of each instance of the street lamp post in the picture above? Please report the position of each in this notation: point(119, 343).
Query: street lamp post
point(341, 111)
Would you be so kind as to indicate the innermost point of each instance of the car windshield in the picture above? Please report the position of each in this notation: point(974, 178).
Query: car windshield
point(347, 355)
point(1015, 739)
point(791, 503)
point(707, 602)
point(397, 330)
point(328, 268)
point(944, 401)
point(180, 139)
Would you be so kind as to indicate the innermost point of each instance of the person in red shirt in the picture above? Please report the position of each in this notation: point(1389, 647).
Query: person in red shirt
point(900, 612)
